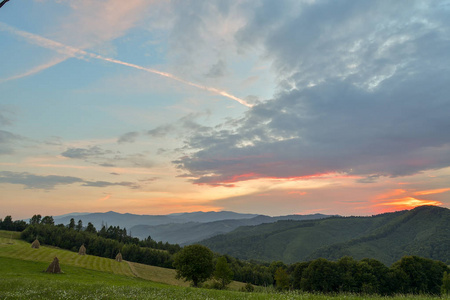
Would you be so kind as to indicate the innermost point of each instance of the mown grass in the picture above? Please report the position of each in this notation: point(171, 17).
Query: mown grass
point(22, 277)
point(22, 250)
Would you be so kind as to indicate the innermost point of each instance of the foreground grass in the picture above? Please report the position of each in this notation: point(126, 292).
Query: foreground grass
point(21, 279)
point(91, 277)
point(11, 246)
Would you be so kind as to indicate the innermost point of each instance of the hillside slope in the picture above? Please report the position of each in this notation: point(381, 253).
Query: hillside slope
point(189, 233)
point(128, 220)
point(423, 231)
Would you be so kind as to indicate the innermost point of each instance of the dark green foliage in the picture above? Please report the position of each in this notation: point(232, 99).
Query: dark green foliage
point(79, 226)
point(65, 238)
point(8, 224)
point(418, 275)
point(281, 279)
point(423, 231)
point(445, 289)
point(194, 263)
point(223, 273)
point(321, 276)
point(248, 288)
point(47, 220)
point(35, 219)
point(90, 228)
point(71, 224)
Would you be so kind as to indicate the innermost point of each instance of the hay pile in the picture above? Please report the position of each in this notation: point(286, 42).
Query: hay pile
point(35, 244)
point(82, 250)
point(54, 266)
point(119, 257)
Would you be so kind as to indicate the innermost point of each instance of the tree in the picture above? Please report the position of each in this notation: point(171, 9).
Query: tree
point(71, 224)
point(223, 273)
point(90, 228)
point(445, 289)
point(36, 219)
point(48, 220)
point(281, 279)
point(8, 223)
point(79, 225)
point(194, 263)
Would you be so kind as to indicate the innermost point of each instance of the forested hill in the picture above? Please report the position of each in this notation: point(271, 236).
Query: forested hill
point(423, 231)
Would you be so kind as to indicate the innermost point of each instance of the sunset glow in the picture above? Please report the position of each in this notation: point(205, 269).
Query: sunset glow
point(406, 203)
point(158, 107)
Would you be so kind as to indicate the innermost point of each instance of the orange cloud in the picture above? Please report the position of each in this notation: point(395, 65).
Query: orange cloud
point(105, 198)
point(429, 192)
point(392, 193)
point(407, 203)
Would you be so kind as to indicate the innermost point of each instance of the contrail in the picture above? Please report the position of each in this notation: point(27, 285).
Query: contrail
point(81, 54)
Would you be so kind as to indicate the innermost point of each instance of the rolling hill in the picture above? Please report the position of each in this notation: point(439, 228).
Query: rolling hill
point(423, 231)
point(180, 228)
point(128, 220)
point(192, 232)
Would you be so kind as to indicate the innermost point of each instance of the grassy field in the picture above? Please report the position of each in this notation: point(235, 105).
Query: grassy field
point(89, 277)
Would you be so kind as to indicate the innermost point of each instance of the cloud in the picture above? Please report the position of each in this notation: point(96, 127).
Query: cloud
point(84, 153)
point(31, 181)
point(217, 70)
point(108, 158)
point(364, 91)
point(186, 125)
point(52, 62)
point(129, 137)
point(106, 184)
point(369, 179)
point(49, 182)
point(6, 141)
point(91, 23)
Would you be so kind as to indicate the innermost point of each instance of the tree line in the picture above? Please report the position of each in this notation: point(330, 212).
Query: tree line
point(107, 242)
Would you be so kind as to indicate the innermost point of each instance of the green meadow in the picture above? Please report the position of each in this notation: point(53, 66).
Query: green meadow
point(91, 277)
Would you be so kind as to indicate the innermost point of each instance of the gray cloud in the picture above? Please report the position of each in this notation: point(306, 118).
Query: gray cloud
point(84, 153)
point(106, 184)
point(129, 137)
point(49, 182)
point(108, 158)
point(217, 70)
point(31, 181)
point(7, 139)
point(364, 91)
point(369, 179)
point(184, 126)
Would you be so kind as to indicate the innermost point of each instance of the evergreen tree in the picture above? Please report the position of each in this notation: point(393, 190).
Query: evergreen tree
point(79, 226)
point(71, 224)
point(90, 228)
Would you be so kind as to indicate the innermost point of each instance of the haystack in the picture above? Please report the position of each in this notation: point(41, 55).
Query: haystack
point(82, 250)
point(119, 257)
point(54, 266)
point(35, 244)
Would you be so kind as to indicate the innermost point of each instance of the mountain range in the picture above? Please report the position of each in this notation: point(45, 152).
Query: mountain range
point(423, 231)
point(179, 228)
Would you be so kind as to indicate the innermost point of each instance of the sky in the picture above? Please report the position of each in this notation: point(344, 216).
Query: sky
point(253, 106)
